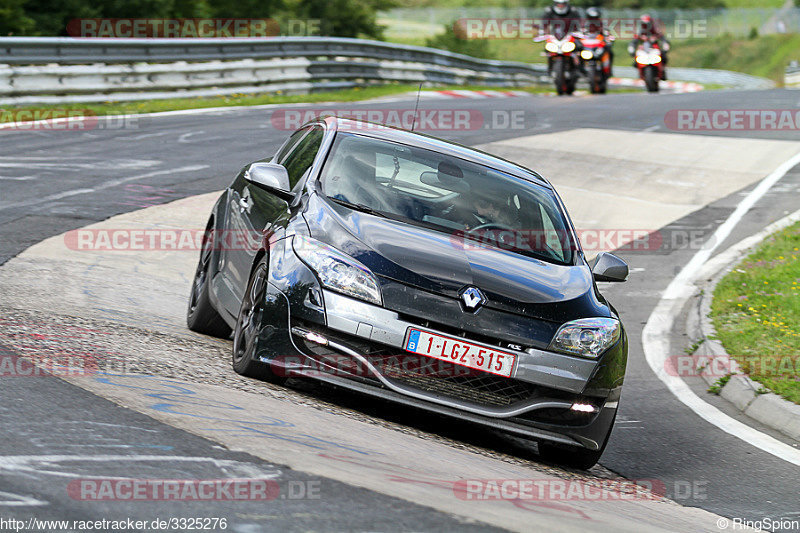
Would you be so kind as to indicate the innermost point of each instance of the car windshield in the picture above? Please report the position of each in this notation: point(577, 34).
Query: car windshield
point(448, 194)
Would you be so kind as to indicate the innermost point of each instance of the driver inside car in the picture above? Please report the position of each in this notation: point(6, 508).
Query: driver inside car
point(490, 214)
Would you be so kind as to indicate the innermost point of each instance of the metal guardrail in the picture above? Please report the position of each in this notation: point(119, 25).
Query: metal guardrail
point(52, 70)
point(791, 77)
point(66, 50)
point(96, 69)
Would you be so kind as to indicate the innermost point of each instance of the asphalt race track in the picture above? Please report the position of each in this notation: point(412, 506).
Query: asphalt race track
point(184, 414)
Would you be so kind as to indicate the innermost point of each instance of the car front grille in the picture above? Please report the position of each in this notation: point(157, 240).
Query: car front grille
point(452, 381)
point(424, 374)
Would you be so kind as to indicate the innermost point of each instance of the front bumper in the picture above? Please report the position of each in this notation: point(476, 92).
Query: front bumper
point(303, 336)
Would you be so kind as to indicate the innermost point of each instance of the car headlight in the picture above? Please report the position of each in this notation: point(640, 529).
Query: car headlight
point(587, 54)
point(551, 47)
point(568, 46)
point(337, 270)
point(587, 337)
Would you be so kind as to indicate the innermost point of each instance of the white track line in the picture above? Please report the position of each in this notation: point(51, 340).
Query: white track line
point(656, 333)
point(104, 185)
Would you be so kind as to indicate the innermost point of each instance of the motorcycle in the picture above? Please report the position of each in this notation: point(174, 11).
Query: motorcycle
point(648, 61)
point(561, 61)
point(596, 60)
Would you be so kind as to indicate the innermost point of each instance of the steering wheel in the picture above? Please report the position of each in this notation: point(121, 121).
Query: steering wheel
point(491, 225)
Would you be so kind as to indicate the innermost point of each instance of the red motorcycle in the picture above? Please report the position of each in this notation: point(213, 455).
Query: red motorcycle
point(596, 60)
point(650, 64)
point(562, 62)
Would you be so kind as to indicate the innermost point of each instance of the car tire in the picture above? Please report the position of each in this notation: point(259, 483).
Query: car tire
point(245, 334)
point(572, 456)
point(200, 314)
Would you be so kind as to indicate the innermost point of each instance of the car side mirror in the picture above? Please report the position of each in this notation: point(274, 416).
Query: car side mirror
point(609, 267)
point(271, 177)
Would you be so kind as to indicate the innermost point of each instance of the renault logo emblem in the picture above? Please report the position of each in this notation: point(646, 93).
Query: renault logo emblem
point(473, 298)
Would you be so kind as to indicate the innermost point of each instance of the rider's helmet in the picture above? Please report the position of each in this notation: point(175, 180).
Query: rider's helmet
point(646, 26)
point(561, 7)
point(593, 22)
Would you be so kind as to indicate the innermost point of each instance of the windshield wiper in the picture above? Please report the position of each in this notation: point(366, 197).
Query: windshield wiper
point(358, 207)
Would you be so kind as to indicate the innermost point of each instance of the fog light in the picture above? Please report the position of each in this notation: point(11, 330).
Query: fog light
point(315, 337)
point(586, 54)
point(583, 407)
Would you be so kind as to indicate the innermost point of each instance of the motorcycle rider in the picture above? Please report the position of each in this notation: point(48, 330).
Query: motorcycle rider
point(560, 19)
point(594, 24)
point(648, 31)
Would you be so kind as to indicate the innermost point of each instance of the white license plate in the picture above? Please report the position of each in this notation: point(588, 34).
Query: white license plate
point(459, 352)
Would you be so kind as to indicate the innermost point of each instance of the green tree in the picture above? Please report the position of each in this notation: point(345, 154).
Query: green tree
point(191, 9)
point(455, 40)
point(345, 18)
point(13, 20)
point(245, 8)
point(50, 17)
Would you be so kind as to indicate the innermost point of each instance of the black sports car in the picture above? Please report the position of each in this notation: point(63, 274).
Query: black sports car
point(420, 271)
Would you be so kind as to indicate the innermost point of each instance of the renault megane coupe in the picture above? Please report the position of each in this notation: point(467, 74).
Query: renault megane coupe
point(419, 271)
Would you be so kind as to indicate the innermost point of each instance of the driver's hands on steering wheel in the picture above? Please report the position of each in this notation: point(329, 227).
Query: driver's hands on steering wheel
point(488, 225)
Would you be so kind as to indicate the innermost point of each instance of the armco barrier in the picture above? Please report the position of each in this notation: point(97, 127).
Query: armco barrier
point(43, 69)
point(791, 77)
point(51, 70)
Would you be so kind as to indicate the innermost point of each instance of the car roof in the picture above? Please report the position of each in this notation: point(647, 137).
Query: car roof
point(421, 140)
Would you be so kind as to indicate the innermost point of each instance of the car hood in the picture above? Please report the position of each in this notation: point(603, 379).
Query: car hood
point(443, 264)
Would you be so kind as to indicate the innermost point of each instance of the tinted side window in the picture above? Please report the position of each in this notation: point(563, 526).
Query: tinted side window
point(286, 148)
point(302, 156)
point(551, 234)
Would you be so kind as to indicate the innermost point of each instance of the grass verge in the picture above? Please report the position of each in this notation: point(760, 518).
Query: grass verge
point(756, 312)
point(765, 56)
point(10, 113)
point(112, 107)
